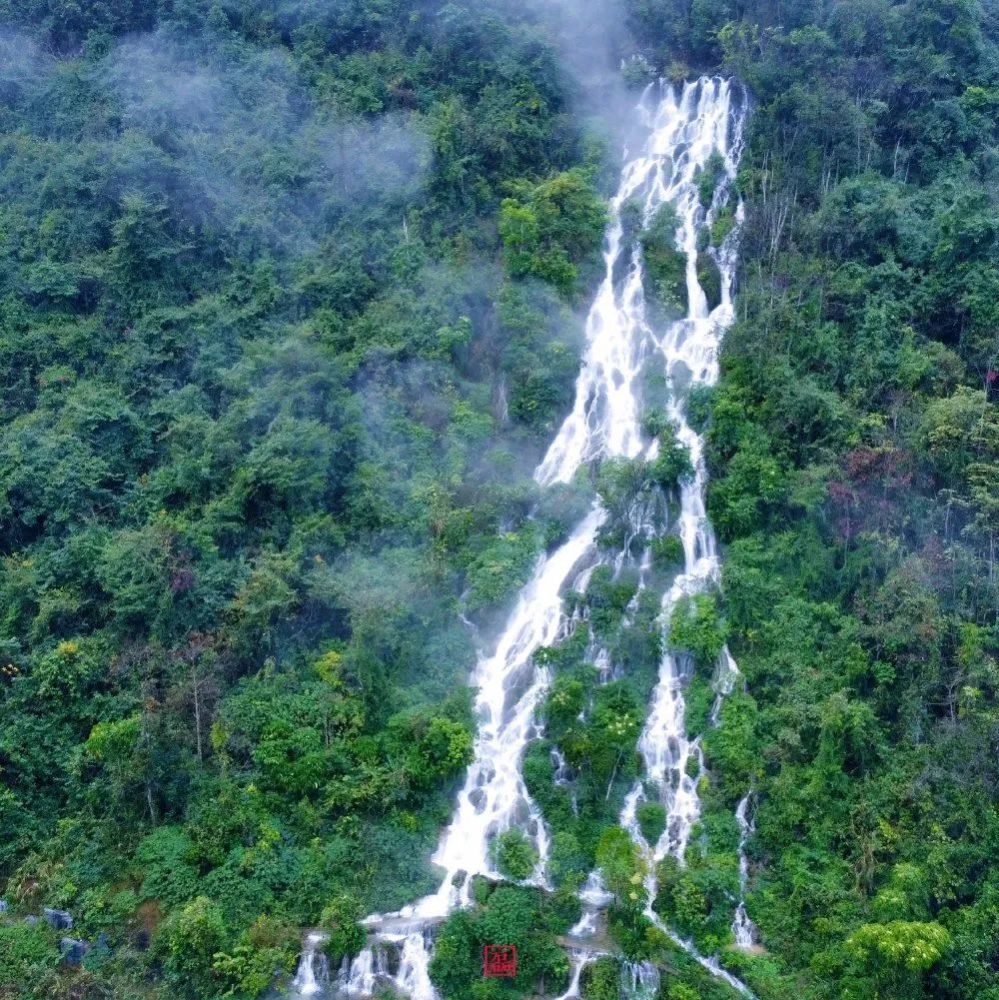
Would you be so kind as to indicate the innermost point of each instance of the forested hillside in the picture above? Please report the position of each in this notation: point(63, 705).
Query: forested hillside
point(270, 410)
point(290, 304)
point(854, 448)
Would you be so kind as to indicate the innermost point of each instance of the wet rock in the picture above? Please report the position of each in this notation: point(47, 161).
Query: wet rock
point(73, 951)
point(59, 920)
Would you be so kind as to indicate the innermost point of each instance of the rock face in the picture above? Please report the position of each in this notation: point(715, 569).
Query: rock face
point(59, 920)
point(3, 906)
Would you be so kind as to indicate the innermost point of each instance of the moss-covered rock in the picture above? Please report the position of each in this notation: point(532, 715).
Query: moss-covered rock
point(665, 264)
point(709, 278)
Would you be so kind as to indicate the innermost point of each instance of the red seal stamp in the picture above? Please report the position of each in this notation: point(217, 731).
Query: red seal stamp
point(499, 960)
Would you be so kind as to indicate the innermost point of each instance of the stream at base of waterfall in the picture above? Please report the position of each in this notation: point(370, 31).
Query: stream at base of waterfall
point(683, 130)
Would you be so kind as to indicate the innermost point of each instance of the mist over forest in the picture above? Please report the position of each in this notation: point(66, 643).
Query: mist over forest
point(298, 304)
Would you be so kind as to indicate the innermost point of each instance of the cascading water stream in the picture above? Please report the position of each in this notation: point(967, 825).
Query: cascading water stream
point(578, 961)
point(313, 968)
point(686, 132)
point(683, 131)
point(743, 929)
point(690, 349)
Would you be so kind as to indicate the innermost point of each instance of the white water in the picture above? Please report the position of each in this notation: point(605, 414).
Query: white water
point(313, 970)
point(593, 897)
point(743, 929)
point(683, 130)
point(578, 961)
point(640, 981)
point(690, 130)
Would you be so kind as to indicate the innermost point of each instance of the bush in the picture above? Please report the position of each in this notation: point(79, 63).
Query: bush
point(341, 921)
point(667, 551)
point(709, 178)
point(549, 229)
point(651, 818)
point(24, 953)
point(700, 400)
point(514, 855)
point(621, 864)
point(696, 627)
point(709, 278)
point(672, 466)
point(665, 265)
point(191, 937)
point(602, 980)
point(567, 862)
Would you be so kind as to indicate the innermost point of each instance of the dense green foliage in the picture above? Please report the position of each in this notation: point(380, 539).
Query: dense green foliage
point(286, 315)
point(853, 460)
point(525, 918)
point(260, 303)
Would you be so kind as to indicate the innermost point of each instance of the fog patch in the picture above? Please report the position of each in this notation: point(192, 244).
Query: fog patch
point(238, 144)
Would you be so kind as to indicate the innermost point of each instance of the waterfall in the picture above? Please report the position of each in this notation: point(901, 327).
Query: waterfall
point(688, 131)
point(639, 981)
point(594, 897)
point(578, 960)
point(743, 929)
point(313, 968)
point(683, 129)
point(413, 977)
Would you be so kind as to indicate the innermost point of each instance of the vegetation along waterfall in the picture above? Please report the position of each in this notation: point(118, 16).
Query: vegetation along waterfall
point(691, 139)
point(499, 500)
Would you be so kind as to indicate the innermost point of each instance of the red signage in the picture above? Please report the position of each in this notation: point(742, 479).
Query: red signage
point(499, 960)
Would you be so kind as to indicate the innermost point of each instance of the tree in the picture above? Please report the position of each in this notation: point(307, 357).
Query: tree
point(899, 952)
point(551, 228)
point(515, 855)
point(621, 865)
point(191, 938)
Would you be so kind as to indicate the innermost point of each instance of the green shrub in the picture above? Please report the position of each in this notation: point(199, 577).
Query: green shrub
point(672, 466)
point(567, 864)
point(651, 820)
point(709, 278)
point(24, 953)
point(502, 567)
point(341, 921)
point(700, 400)
point(551, 228)
point(667, 551)
point(190, 938)
point(665, 264)
point(514, 855)
point(602, 979)
point(622, 867)
point(709, 178)
point(696, 627)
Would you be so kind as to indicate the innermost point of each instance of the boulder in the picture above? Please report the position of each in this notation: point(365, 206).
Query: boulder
point(60, 920)
point(73, 951)
point(3, 906)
